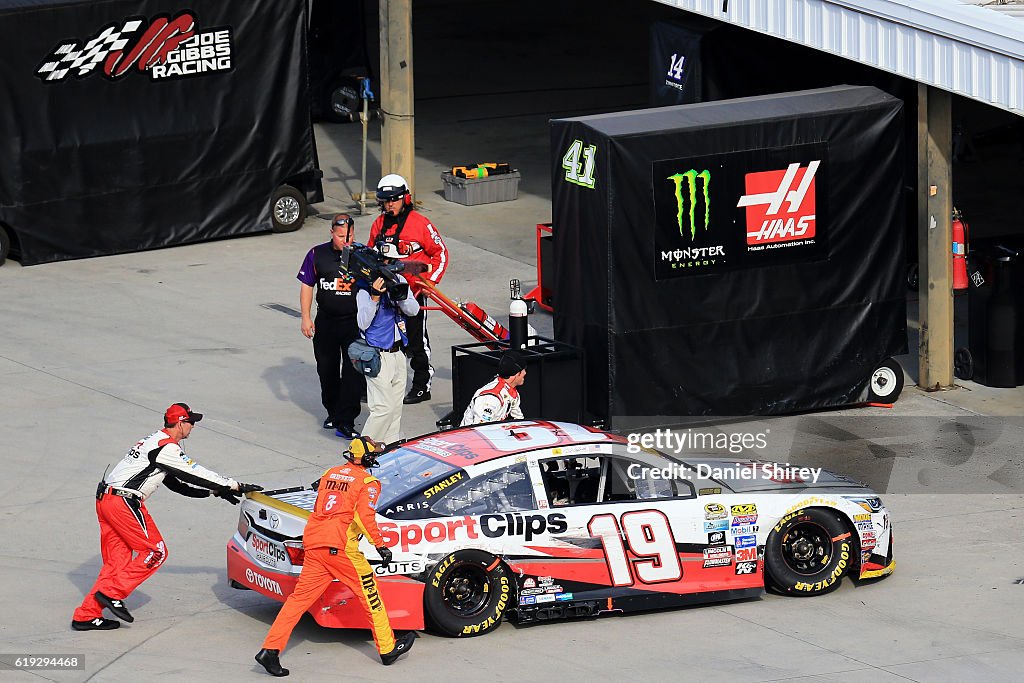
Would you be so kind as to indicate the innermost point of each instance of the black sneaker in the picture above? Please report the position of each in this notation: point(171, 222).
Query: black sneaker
point(268, 659)
point(116, 607)
point(328, 423)
point(346, 432)
point(416, 396)
point(97, 624)
point(402, 645)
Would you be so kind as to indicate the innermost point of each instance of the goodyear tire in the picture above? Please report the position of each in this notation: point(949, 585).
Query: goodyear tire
point(287, 209)
point(808, 553)
point(467, 594)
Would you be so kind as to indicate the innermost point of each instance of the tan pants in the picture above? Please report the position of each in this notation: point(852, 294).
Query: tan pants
point(384, 395)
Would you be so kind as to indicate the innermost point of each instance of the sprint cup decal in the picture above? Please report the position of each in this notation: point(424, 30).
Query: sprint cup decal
point(164, 47)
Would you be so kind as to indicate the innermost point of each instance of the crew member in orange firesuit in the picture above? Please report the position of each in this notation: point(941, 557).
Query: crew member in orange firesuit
point(345, 510)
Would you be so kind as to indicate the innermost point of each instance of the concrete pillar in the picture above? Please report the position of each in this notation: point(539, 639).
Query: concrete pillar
point(398, 153)
point(935, 236)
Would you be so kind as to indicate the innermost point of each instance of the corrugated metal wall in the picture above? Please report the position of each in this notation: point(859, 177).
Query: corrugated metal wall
point(968, 50)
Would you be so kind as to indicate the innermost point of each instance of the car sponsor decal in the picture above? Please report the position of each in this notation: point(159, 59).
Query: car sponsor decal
point(263, 582)
point(745, 541)
point(746, 567)
point(716, 538)
point(715, 511)
point(409, 534)
point(743, 520)
point(442, 485)
point(709, 492)
point(718, 525)
point(743, 509)
point(266, 551)
point(746, 554)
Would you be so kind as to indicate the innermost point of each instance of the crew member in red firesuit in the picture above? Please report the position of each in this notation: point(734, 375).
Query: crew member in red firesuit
point(498, 400)
point(344, 512)
point(125, 524)
point(402, 232)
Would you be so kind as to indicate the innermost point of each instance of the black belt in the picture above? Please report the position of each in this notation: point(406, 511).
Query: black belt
point(124, 494)
point(397, 346)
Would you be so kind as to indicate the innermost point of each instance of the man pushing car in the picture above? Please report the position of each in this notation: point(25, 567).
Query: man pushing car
point(344, 512)
point(130, 542)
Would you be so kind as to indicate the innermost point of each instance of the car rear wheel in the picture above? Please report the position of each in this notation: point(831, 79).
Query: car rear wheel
point(467, 594)
point(808, 553)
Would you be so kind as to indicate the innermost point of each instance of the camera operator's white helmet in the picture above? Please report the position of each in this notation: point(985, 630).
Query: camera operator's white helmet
point(392, 186)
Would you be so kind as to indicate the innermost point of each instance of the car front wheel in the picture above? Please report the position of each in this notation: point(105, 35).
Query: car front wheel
point(808, 553)
point(467, 594)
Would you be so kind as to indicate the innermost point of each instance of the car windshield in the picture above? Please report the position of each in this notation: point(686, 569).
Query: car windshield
point(403, 470)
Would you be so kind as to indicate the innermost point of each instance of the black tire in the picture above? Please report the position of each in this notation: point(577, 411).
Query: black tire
point(886, 382)
point(808, 553)
point(963, 364)
point(467, 594)
point(913, 277)
point(5, 244)
point(287, 209)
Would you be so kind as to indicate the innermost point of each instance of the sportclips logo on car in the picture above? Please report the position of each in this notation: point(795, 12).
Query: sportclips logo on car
point(780, 206)
point(163, 46)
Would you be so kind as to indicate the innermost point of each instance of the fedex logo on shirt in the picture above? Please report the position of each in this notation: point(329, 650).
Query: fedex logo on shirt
point(338, 284)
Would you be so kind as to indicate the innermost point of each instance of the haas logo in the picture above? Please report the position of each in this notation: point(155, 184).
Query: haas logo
point(780, 204)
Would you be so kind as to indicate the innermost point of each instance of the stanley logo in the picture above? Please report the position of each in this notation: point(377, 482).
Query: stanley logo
point(689, 180)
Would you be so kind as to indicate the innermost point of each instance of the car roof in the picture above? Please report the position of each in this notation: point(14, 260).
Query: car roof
point(482, 443)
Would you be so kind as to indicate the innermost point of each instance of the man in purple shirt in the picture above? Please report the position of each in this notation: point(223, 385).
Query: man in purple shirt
point(334, 328)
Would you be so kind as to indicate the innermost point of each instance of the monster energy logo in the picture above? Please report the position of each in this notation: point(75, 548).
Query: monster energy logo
point(689, 179)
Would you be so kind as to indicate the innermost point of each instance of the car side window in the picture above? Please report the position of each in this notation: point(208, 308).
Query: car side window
point(602, 479)
point(504, 490)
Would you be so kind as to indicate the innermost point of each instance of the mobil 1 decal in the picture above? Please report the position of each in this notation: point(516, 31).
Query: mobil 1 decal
point(740, 210)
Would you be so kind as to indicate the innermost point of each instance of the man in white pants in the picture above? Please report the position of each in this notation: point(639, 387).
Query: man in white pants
point(381, 316)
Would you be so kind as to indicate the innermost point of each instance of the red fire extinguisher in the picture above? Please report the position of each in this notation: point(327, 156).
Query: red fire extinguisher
point(960, 231)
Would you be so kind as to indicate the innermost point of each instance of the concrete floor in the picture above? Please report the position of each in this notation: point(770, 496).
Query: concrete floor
point(92, 351)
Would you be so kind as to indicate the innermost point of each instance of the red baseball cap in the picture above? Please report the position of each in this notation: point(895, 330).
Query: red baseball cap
point(180, 412)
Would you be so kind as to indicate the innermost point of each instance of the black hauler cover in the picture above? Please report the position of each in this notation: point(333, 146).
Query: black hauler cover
point(132, 125)
point(740, 257)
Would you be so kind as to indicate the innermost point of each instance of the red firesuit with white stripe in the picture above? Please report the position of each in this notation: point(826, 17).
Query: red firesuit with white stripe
point(493, 402)
point(345, 510)
point(125, 524)
point(416, 239)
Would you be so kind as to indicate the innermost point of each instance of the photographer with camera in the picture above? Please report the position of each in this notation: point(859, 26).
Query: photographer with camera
point(404, 233)
point(383, 307)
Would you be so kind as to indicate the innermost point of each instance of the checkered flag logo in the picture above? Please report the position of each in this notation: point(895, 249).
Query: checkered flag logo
point(71, 57)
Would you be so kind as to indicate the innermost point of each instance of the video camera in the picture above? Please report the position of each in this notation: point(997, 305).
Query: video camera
point(363, 262)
